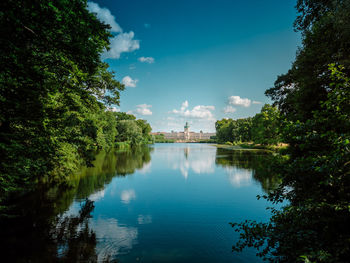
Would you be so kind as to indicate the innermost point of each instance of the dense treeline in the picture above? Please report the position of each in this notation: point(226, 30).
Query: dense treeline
point(54, 90)
point(132, 132)
point(263, 128)
point(314, 99)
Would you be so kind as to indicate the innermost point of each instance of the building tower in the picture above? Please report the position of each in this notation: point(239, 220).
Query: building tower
point(187, 131)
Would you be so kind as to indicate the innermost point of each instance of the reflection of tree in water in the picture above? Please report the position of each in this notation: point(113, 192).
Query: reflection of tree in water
point(76, 242)
point(129, 161)
point(107, 165)
point(262, 164)
point(34, 231)
point(40, 236)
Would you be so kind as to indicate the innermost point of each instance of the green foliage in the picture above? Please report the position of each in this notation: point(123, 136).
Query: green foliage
point(124, 116)
point(314, 98)
point(325, 28)
point(133, 132)
point(52, 86)
point(128, 130)
point(159, 138)
point(266, 126)
point(263, 128)
point(146, 131)
point(233, 130)
point(223, 131)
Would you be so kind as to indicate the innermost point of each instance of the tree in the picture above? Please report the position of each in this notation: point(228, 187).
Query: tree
point(223, 131)
point(315, 182)
point(146, 130)
point(52, 85)
point(228, 130)
point(124, 116)
point(266, 126)
point(326, 34)
point(129, 131)
point(314, 98)
point(241, 130)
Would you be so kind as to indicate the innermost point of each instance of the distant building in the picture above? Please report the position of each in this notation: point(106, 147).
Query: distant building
point(186, 135)
point(187, 131)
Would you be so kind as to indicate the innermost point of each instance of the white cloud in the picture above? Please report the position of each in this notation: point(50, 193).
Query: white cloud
point(229, 109)
point(129, 82)
point(256, 102)
point(177, 122)
point(142, 109)
point(198, 112)
point(200, 117)
point(128, 195)
point(184, 105)
point(104, 15)
point(238, 101)
point(123, 42)
point(148, 60)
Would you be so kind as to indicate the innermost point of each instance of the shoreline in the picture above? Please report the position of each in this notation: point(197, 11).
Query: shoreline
point(253, 147)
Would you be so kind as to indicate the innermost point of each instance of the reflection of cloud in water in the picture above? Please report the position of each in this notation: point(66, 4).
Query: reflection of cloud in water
point(200, 166)
point(97, 196)
point(145, 169)
point(198, 160)
point(128, 195)
point(144, 219)
point(113, 238)
point(239, 177)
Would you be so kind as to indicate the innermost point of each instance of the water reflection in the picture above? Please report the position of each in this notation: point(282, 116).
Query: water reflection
point(76, 241)
point(239, 177)
point(39, 236)
point(244, 167)
point(108, 165)
point(144, 210)
point(41, 228)
point(144, 219)
point(113, 238)
point(199, 159)
point(128, 195)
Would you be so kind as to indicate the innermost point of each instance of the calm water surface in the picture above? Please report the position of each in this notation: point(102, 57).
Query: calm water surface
point(164, 203)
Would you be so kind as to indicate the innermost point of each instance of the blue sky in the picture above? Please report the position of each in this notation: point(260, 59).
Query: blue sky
point(197, 60)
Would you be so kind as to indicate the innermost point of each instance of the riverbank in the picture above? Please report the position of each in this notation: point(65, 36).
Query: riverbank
point(252, 146)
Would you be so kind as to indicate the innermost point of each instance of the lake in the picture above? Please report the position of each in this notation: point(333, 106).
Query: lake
point(163, 203)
